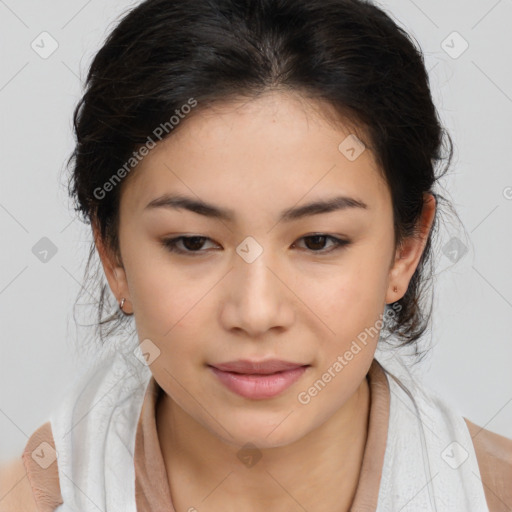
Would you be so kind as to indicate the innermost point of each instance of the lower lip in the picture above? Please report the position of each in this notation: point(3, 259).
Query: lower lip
point(259, 386)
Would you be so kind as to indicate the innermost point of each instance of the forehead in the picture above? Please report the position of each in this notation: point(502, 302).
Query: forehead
point(259, 153)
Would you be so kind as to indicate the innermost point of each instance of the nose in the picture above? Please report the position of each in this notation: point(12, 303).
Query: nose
point(257, 298)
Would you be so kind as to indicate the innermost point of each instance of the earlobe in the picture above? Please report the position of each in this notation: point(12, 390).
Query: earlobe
point(408, 254)
point(113, 269)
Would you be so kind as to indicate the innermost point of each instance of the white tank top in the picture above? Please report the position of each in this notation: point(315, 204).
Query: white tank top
point(429, 462)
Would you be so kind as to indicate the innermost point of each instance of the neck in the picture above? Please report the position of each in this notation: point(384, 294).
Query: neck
point(318, 472)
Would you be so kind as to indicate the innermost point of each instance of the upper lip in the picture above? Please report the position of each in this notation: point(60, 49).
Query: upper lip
point(261, 367)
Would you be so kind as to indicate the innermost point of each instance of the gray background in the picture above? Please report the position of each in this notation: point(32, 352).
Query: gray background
point(472, 350)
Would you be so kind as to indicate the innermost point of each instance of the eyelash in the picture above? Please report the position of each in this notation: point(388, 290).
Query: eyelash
point(171, 244)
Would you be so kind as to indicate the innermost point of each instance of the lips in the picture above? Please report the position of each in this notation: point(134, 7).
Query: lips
point(248, 367)
point(258, 380)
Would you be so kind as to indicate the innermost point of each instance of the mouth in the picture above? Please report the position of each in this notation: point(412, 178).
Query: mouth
point(258, 380)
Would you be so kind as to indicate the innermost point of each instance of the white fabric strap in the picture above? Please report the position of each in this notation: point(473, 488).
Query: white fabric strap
point(94, 431)
point(430, 462)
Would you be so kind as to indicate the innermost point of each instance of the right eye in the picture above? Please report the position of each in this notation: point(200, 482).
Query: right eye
point(191, 244)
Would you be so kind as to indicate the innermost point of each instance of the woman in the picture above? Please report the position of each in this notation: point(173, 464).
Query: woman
point(259, 179)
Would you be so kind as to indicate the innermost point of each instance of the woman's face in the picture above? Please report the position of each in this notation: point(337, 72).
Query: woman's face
point(257, 285)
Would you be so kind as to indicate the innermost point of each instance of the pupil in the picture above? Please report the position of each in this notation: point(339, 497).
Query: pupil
point(316, 238)
point(189, 242)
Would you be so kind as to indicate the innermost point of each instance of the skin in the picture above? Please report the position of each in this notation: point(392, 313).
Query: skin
point(297, 301)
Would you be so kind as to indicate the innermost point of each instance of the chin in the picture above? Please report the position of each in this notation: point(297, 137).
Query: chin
point(262, 430)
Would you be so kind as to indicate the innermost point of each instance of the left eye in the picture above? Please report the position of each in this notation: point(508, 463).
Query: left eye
point(320, 239)
point(193, 244)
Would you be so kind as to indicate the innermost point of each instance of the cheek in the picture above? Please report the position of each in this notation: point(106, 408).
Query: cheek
point(169, 308)
point(354, 293)
point(163, 298)
point(352, 307)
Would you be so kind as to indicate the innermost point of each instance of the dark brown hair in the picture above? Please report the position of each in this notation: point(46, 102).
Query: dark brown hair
point(348, 53)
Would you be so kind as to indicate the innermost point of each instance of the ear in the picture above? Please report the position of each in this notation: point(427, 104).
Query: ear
point(114, 270)
point(409, 253)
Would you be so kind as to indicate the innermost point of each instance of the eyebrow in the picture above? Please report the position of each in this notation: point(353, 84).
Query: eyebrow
point(180, 202)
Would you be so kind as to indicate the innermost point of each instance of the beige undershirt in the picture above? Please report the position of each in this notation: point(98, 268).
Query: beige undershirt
point(152, 493)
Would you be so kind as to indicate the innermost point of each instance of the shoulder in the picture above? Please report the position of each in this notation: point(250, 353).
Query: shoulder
point(15, 489)
point(30, 483)
point(494, 455)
